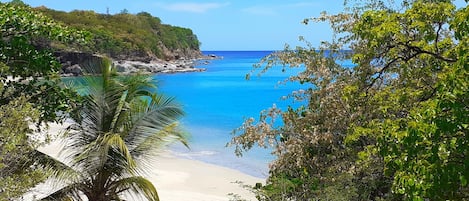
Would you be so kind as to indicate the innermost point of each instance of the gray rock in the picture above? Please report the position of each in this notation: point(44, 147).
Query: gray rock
point(75, 70)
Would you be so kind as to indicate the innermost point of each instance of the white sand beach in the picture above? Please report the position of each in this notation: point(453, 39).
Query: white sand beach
point(178, 179)
point(185, 180)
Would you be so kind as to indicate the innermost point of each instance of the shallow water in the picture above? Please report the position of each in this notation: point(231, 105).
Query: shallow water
point(217, 101)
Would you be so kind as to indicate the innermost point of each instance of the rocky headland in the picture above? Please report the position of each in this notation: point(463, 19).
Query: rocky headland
point(73, 63)
point(135, 43)
point(158, 66)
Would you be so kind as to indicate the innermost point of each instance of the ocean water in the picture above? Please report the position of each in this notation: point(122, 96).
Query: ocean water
point(218, 100)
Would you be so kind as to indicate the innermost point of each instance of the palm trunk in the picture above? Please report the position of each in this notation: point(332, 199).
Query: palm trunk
point(99, 190)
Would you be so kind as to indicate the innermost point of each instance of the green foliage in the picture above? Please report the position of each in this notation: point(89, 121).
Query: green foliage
point(392, 128)
point(30, 71)
point(18, 172)
point(126, 34)
point(121, 124)
point(418, 130)
point(30, 93)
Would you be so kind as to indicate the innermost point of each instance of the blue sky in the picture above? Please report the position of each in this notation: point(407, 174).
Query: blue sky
point(225, 25)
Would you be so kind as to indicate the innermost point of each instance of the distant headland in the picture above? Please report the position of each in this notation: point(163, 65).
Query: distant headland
point(135, 42)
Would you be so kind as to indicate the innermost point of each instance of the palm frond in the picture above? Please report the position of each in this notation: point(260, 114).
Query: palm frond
point(153, 119)
point(103, 93)
point(90, 158)
point(121, 118)
point(107, 149)
point(98, 66)
point(160, 139)
point(138, 185)
point(138, 86)
point(69, 192)
point(136, 89)
point(125, 159)
point(119, 114)
point(57, 168)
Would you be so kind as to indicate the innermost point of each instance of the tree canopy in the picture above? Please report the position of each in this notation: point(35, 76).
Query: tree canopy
point(16, 168)
point(127, 35)
point(26, 70)
point(30, 93)
point(118, 122)
point(392, 127)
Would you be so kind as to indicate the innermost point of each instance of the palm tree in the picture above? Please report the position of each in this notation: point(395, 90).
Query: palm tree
point(119, 127)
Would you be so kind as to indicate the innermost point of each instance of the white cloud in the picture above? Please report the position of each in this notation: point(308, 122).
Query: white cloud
point(193, 7)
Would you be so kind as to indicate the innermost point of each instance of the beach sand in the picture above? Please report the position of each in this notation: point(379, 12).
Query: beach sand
point(178, 179)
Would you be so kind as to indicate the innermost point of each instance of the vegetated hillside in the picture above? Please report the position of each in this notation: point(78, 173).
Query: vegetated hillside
point(127, 36)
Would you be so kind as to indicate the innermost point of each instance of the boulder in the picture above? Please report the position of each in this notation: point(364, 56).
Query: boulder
point(74, 70)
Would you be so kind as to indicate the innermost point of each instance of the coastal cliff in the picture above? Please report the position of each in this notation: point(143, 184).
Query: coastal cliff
point(135, 42)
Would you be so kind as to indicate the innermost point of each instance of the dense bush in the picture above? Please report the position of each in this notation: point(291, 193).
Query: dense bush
point(31, 93)
point(392, 127)
point(127, 34)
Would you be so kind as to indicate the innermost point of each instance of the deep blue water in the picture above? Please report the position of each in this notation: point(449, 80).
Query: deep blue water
point(218, 100)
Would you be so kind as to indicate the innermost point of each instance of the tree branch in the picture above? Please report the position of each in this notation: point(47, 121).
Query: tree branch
point(440, 26)
point(419, 50)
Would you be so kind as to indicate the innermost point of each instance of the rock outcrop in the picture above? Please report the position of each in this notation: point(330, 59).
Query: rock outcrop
point(157, 66)
point(73, 63)
point(180, 54)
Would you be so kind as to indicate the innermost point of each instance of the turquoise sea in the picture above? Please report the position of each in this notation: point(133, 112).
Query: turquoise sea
point(218, 100)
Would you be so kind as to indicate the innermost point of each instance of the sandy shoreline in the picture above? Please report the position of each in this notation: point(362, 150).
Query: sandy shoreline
point(178, 179)
point(184, 179)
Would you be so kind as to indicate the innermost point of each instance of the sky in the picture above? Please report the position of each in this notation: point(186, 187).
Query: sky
point(225, 25)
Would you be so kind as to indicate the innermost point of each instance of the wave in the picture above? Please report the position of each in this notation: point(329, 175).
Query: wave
point(195, 154)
